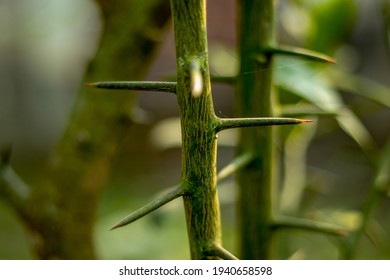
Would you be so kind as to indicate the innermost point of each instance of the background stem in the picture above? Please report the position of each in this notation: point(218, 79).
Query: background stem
point(253, 98)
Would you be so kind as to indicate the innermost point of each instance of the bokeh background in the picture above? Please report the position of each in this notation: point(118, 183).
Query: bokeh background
point(45, 47)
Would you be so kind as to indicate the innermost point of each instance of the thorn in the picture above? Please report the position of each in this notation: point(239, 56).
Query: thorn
point(299, 52)
point(305, 121)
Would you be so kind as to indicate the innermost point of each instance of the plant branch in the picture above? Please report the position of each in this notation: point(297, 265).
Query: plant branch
point(308, 225)
point(153, 205)
point(136, 85)
point(227, 123)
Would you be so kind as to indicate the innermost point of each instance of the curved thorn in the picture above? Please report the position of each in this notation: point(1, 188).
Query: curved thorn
point(136, 85)
point(151, 206)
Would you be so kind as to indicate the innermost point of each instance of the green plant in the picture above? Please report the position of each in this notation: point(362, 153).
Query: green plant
point(269, 91)
point(199, 126)
point(259, 213)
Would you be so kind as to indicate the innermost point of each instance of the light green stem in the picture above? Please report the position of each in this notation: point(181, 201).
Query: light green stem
point(197, 125)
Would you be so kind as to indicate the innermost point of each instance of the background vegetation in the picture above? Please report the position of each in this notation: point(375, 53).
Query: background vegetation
point(332, 167)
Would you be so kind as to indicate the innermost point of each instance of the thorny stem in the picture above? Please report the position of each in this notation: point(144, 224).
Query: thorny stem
point(197, 122)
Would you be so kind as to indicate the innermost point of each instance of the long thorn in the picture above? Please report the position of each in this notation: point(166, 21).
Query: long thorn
point(227, 123)
point(153, 205)
point(136, 85)
point(299, 52)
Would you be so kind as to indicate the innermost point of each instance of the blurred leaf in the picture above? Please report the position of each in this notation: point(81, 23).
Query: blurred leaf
point(377, 234)
point(332, 21)
point(301, 80)
point(361, 86)
point(382, 178)
point(294, 182)
point(312, 85)
point(346, 218)
point(352, 125)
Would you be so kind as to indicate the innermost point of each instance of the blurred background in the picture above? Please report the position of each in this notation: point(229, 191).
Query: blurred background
point(45, 48)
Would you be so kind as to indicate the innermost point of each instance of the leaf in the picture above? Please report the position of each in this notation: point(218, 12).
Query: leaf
point(361, 86)
point(312, 85)
point(382, 177)
point(331, 23)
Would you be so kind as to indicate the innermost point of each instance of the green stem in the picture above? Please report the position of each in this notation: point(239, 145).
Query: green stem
point(197, 125)
point(253, 98)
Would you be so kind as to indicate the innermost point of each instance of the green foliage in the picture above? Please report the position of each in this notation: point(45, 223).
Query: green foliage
point(331, 22)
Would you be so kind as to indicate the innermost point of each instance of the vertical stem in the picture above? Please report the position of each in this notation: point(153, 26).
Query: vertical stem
point(253, 98)
point(197, 124)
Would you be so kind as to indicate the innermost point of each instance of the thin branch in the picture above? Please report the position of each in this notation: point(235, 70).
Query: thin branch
point(153, 205)
point(237, 163)
point(299, 52)
point(308, 225)
point(227, 123)
point(218, 251)
point(136, 85)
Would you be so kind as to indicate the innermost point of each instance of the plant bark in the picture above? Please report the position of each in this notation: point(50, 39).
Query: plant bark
point(198, 128)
